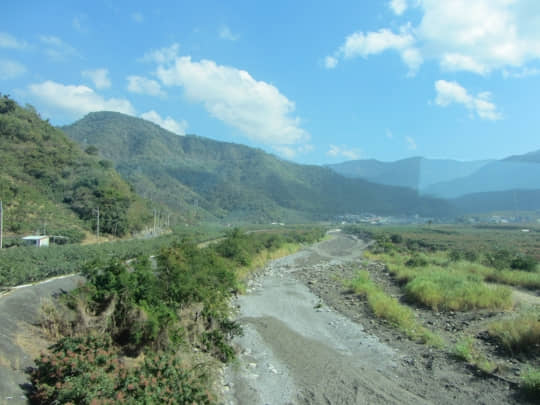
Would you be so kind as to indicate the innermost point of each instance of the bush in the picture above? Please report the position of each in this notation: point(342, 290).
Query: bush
point(523, 262)
point(416, 261)
point(90, 370)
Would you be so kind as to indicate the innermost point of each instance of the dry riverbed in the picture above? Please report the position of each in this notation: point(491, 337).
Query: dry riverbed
point(306, 341)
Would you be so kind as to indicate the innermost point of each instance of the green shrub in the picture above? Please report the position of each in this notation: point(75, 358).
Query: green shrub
point(91, 370)
point(416, 260)
point(524, 262)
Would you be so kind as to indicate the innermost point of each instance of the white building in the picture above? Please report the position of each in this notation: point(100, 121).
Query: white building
point(36, 240)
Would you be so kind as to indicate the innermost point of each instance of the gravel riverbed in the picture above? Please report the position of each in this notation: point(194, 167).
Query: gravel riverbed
point(306, 342)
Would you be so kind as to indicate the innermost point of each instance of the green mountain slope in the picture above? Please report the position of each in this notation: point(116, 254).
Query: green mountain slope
point(199, 176)
point(47, 181)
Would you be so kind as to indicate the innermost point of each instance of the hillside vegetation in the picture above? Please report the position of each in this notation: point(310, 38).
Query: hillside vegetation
point(48, 182)
point(202, 178)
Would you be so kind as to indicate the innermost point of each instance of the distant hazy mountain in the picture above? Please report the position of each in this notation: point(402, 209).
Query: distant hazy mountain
point(514, 173)
point(532, 157)
point(199, 176)
point(510, 200)
point(417, 173)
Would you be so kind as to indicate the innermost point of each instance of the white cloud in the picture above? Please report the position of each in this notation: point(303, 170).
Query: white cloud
point(9, 41)
point(137, 17)
point(481, 35)
point(456, 61)
point(179, 128)
point(411, 144)
point(76, 100)
point(452, 92)
point(290, 152)
point(343, 151)
point(162, 55)
point(225, 33)
point(100, 77)
point(330, 62)
point(398, 6)
point(286, 151)
point(520, 74)
point(233, 96)
point(360, 44)
point(56, 48)
point(142, 85)
point(478, 36)
point(10, 69)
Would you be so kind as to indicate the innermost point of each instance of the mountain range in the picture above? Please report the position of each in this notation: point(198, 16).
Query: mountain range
point(472, 187)
point(57, 178)
point(200, 178)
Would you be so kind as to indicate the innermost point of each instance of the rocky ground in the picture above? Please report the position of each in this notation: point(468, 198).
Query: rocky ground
point(308, 340)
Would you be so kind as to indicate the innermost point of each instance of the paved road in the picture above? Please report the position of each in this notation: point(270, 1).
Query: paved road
point(18, 313)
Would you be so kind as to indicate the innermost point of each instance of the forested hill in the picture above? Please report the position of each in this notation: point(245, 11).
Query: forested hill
point(48, 182)
point(203, 178)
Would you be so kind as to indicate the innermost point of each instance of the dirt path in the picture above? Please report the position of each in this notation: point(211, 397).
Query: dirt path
point(298, 349)
point(19, 343)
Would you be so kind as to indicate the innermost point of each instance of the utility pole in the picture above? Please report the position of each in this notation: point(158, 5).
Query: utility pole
point(1, 223)
point(154, 221)
point(97, 224)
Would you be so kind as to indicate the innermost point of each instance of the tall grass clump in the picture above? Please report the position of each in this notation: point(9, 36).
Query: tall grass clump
point(444, 290)
point(518, 278)
point(466, 350)
point(519, 335)
point(389, 309)
point(530, 382)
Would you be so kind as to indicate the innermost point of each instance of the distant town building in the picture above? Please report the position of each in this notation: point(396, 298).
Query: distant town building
point(36, 240)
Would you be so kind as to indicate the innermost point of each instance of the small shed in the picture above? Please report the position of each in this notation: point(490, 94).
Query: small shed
point(36, 240)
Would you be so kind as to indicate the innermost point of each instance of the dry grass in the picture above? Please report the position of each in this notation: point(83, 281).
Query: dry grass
point(262, 258)
point(53, 323)
point(519, 335)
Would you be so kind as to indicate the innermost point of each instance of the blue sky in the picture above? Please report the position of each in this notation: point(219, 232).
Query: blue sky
point(311, 81)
